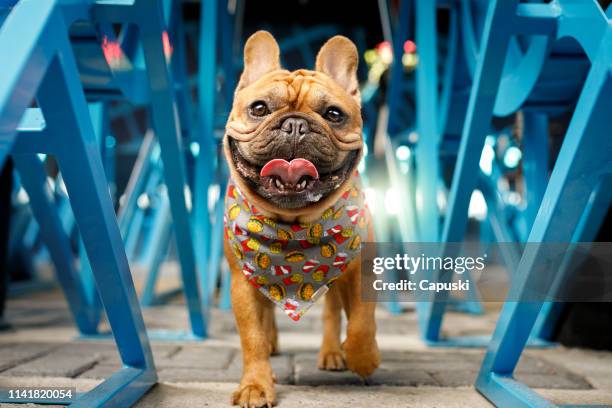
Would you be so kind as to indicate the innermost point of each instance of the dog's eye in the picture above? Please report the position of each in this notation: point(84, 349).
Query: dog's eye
point(259, 108)
point(334, 115)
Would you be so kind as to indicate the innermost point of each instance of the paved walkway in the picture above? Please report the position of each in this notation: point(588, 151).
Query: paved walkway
point(42, 349)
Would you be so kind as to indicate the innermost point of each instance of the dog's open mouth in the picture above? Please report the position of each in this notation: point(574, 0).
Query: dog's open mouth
point(291, 184)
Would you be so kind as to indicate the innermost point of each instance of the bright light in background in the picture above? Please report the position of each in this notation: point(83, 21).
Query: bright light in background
point(188, 202)
point(478, 206)
point(214, 192)
point(195, 149)
point(418, 199)
point(487, 156)
point(409, 47)
point(410, 60)
point(404, 168)
point(441, 199)
point(385, 51)
point(514, 198)
point(370, 198)
point(113, 54)
point(362, 165)
point(143, 201)
point(393, 204)
point(512, 157)
point(168, 48)
point(42, 156)
point(365, 150)
point(402, 153)
point(413, 137)
point(62, 186)
point(22, 196)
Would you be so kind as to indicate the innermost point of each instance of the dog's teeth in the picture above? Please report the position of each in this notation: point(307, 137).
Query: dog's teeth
point(279, 184)
point(302, 185)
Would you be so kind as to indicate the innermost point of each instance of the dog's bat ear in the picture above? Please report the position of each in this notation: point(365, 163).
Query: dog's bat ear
point(261, 55)
point(338, 59)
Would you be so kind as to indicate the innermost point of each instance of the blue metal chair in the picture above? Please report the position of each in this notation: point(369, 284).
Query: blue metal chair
point(126, 67)
point(156, 91)
point(528, 79)
point(43, 68)
point(577, 195)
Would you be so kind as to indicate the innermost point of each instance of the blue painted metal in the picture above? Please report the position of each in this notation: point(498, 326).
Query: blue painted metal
point(511, 73)
point(206, 163)
point(397, 68)
point(43, 66)
point(34, 179)
point(573, 198)
point(128, 68)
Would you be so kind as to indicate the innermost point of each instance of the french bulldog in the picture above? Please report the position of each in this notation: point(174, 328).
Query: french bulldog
point(293, 141)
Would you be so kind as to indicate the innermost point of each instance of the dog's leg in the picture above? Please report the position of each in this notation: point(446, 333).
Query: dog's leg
point(270, 327)
point(330, 355)
point(257, 384)
point(360, 348)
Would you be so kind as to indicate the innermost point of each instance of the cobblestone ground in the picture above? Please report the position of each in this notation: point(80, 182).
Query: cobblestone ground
point(42, 348)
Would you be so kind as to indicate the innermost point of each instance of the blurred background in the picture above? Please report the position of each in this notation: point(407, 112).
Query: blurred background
point(158, 114)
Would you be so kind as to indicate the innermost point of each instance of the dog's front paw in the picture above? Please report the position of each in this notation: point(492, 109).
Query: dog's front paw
point(362, 357)
point(331, 360)
point(254, 395)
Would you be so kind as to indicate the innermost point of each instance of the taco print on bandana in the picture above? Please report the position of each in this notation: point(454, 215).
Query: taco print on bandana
point(289, 263)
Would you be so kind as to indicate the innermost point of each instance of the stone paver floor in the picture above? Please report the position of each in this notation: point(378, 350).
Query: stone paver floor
point(42, 349)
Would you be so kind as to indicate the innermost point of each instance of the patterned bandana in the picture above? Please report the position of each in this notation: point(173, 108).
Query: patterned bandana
point(295, 264)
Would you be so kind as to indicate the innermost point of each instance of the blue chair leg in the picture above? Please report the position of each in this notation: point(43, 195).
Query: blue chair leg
point(226, 277)
point(587, 229)
point(78, 156)
point(206, 160)
point(160, 235)
point(34, 180)
point(397, 68)
point(535, 161)
point(496, 36)
point(167, 129)
point(216, 243)
point(582, 163)
point(427, 150)
point(428, 172)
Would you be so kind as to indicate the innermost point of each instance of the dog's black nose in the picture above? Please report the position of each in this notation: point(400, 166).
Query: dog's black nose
point(295, 126)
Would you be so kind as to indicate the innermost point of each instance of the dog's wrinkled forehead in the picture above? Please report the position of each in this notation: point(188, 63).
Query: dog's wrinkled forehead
point(300, 83)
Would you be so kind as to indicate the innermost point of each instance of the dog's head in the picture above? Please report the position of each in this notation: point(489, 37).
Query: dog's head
point(293, 139)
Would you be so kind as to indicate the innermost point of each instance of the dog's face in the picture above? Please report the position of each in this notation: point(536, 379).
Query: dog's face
point(294, 138)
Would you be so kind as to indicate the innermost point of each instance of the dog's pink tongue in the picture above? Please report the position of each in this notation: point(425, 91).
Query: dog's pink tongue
point(289, 172)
